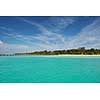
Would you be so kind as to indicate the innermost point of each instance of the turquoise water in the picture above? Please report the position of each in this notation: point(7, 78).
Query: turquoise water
point(71, 69)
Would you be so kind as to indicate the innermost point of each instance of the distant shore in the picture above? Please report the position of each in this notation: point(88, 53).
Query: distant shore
point(76, 55)
point(67, 55)
point(60, 55)
point(71, 52)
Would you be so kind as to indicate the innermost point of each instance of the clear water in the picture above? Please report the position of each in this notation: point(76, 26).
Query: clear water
point(33, 69)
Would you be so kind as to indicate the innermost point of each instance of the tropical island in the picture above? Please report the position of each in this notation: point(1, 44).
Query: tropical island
point(78, 51)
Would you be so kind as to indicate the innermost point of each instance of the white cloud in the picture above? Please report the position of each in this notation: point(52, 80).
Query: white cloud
point(40, 27)
point(88, 37)
point(62, 21)
point(13, 48)
point(46, 39)
point(1, 42)
point(58, 23)
point(5, 28)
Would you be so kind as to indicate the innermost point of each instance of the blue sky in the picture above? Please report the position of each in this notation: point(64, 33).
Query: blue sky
point(35, 33)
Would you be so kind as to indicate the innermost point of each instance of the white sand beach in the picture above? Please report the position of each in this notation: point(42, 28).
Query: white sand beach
point(66, 55)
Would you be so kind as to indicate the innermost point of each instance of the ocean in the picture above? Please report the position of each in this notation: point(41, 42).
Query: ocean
point(49, 69)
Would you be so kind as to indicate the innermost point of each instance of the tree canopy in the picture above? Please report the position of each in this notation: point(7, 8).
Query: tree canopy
point(79, 51)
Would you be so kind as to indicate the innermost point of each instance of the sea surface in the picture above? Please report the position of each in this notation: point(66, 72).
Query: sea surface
point(50, 69)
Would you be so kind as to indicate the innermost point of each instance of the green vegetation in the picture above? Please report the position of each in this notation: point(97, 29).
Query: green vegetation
point(79, 51)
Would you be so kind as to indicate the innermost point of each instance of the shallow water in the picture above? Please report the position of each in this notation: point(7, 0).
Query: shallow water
point(63, 69)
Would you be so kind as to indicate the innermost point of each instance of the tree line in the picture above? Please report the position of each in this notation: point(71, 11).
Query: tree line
point(79, 51)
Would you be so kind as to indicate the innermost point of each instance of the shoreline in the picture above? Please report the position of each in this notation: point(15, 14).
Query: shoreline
point(77, 55)
point(62, 55)
point(68, 55)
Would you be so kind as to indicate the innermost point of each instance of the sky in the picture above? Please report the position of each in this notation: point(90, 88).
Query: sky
point(36, 33)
